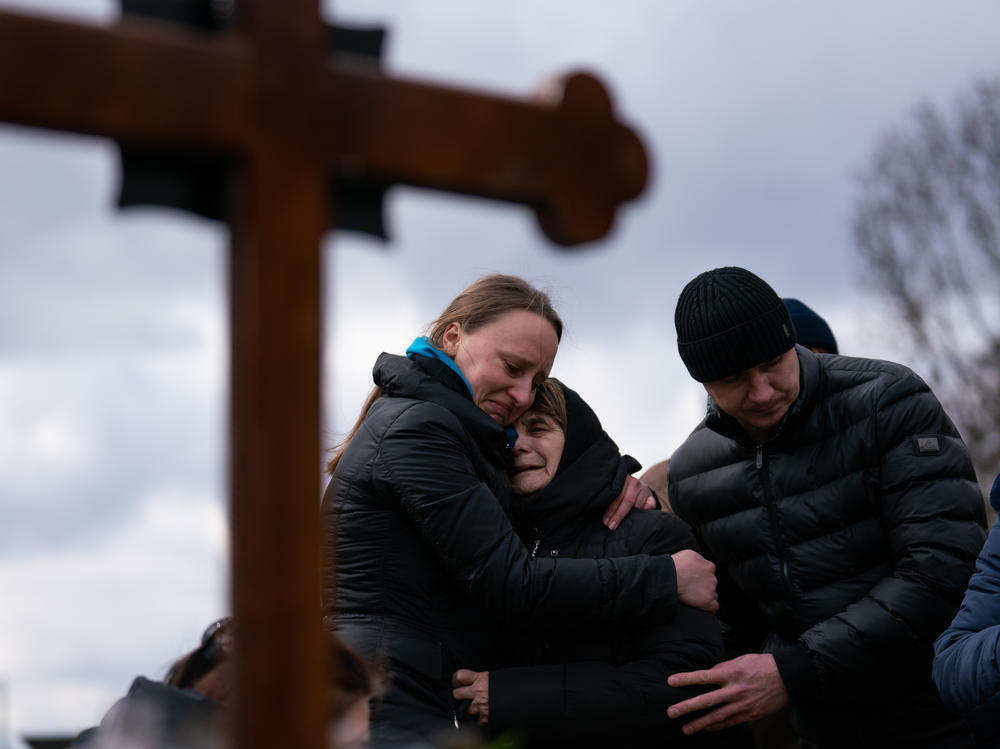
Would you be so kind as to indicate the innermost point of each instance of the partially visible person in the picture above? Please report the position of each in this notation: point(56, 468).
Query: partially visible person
point(842, 508)
point(590, 686)
point(967, 654)
point(190, 707)
point(655, 478)
point(811, 330)
point(429, 571)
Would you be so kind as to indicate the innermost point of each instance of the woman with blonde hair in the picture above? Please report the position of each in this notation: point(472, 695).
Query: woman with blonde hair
point(429, 573)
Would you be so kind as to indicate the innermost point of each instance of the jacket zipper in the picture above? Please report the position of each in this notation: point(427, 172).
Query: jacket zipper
point(772, 513)
point(534, 549)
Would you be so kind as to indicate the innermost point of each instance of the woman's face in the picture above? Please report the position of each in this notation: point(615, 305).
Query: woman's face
point(537, 451)
point(504, 361)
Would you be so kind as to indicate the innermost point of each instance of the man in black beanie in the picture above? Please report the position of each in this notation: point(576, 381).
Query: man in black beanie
point(842, 510)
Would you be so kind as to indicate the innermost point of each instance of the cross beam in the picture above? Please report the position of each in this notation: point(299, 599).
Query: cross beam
point(267, 93)
point(564, 153)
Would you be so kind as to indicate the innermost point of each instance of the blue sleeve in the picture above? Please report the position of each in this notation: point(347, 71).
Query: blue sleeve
point(966, 667)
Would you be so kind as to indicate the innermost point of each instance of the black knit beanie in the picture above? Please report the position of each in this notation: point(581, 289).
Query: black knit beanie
point(583, 428)
point(729, 320)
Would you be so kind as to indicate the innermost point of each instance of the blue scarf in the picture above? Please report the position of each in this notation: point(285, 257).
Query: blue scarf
point(423, 346)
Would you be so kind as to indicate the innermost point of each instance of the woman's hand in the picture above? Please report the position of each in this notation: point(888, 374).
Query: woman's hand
point(634, 494)
point(696, 580)
point(473, 686)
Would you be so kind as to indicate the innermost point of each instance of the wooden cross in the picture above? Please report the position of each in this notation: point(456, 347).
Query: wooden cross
point(266, 92)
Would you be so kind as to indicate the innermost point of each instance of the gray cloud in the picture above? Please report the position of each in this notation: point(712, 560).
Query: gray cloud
point(112, 342)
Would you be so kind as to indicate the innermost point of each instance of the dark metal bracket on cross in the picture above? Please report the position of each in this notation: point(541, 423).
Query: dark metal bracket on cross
point(267, 94)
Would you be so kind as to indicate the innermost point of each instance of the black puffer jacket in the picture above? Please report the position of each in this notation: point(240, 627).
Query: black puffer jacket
point(852, 533)
point(428, 565)
point(603, 686)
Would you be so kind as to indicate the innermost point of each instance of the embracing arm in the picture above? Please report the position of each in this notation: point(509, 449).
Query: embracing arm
point(424, 462)
point(609, 686)
point(603, 703)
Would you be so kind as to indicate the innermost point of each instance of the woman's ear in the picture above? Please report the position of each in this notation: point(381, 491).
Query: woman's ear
point(451, 338)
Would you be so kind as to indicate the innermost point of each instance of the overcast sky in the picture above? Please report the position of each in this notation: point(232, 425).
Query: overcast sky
point(756, 116)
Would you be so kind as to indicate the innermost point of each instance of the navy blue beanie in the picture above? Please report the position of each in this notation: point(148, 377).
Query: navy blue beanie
point(811, 330)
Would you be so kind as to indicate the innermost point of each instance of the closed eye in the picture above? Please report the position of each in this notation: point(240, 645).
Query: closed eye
point(512, 369)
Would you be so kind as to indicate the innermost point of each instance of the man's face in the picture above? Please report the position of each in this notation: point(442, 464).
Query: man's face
point(759, 397)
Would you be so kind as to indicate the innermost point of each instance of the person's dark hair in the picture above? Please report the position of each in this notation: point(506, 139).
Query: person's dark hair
point(216, 644)
point(208, 669)
point(351, 678)
point(478, 305)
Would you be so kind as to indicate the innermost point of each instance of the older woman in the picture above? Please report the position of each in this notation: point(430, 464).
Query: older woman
point(429, 571)
point(591, 686)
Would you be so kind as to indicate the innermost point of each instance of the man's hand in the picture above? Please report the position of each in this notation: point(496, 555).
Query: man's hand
point(634, 494)
point(750, 688)
point(474, 686)
point(696, 580)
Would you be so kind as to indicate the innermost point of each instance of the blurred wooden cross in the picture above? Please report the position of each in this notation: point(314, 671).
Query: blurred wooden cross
point(264, 93)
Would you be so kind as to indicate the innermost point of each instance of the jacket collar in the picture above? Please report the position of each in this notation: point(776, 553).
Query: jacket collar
point(422, 346)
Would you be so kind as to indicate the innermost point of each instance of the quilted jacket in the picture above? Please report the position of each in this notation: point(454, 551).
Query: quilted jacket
point(845, 542)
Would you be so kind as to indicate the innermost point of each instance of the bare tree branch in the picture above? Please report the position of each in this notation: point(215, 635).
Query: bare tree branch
point(927, 227)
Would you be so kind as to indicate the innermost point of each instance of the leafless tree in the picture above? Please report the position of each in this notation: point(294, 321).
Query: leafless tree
point(927, 225)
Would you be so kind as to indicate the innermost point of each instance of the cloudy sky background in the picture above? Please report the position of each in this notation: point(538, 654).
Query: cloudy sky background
point(112, 329)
